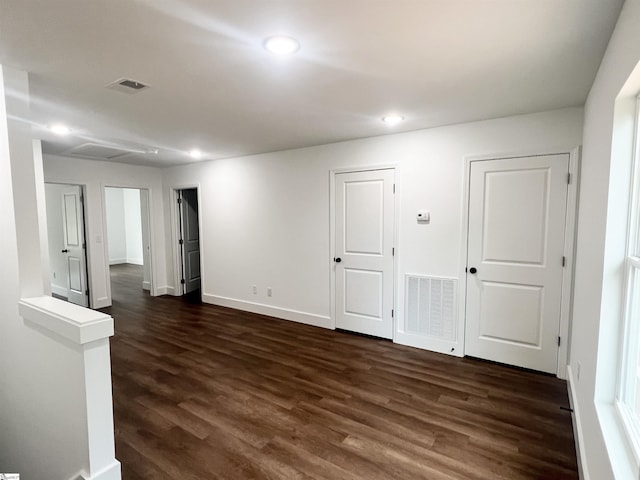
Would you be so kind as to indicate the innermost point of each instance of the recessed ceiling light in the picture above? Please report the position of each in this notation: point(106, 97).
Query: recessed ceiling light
point(60, 129)
point(392, 119)
point(195, 153)
point(281, 45)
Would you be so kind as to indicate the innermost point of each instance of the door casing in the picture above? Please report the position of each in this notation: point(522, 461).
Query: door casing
point(332, 235)
point(569, 244)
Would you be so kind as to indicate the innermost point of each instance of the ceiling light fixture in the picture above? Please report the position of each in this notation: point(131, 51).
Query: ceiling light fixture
point(392, 119)
point(195, 153)
point(281, 45)
point(60, 129)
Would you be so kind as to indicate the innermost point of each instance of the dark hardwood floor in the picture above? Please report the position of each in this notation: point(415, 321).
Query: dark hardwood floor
point(203, 392)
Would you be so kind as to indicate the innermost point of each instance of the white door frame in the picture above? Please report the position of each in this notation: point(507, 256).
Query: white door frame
point(332, 234)
point(87, 253)
point(569, 244)
point(175, 237)
point(153, 291)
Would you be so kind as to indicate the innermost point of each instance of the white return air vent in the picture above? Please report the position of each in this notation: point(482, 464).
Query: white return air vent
point(431, 307)
point(126, 85)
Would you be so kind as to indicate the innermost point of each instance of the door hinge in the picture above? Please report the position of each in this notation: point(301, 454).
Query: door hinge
point(179, 200)
point(393, 251)
point(182, 282)
point(558, 341)
point(394, 188)
point(392, 313)
point(81, 199)
point(86, 292)
point(568, 179)
point(564, 261)
point(180, 242)
point(84, 245)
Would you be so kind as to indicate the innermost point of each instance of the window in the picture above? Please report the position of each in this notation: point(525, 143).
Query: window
point(628, 397)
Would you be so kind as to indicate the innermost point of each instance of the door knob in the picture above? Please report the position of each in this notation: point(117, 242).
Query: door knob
point(337, 260)
point(473, 270)
point(66, 250)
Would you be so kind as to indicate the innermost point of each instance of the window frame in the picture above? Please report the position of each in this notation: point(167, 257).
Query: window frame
point(628, 384)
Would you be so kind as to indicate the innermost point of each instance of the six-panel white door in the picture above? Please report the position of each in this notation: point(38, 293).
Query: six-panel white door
point(517, 211)
point(74, 245)
point(364, 206)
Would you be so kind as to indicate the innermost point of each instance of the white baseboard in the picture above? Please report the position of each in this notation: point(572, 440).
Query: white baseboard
point(284, 313)
point(58, 290)
point(101, 302)
point(146, 285)
point(577, 426)
point(166, 290)
point(111, 472)
point(134, 261)
point(117, 261)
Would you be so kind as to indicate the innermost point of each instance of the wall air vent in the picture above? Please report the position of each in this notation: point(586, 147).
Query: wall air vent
point(126, 85)
point(431, 307)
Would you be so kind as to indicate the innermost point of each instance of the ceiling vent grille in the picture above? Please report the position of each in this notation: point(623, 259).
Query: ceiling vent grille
point(97, 151)
point(126, 85)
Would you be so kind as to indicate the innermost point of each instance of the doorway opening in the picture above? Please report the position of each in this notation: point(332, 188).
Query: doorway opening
point(189, 244)
point(128, 239)
point(67, 245)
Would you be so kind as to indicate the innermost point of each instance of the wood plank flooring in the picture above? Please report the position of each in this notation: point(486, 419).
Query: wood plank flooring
point(203, 392)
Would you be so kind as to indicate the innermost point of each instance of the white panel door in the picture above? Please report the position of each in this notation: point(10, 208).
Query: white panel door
point(517, 213)
point(364, 252)
point(74, 246)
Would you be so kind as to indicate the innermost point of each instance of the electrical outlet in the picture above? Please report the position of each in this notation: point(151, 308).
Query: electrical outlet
point(269, 292)
point(255, 289)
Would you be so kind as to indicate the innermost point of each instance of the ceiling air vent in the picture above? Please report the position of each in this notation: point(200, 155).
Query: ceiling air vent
point(126, 85)
point(96, 151)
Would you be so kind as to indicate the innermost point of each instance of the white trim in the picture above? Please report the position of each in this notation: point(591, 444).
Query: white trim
point(112, 472)
point(577, 427)
point(428, 343)
point(146, 286)
point(262, 309)
point(166, 290)
point(58, 290)
point(571, 216)
point(332, 242)
point(101, 302)
point(571, 219)
point(72, 322)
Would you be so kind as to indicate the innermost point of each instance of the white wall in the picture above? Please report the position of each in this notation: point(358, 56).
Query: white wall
point(42, 412)
point(116, 230)
point(600, 248)
point(265, 218)
point(133, 225)
point(95, 176)
point(124, 225)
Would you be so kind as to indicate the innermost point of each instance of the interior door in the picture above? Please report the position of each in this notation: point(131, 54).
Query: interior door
point(515, 259)
point(190, 239)
point(74, 245)
point(364, 220)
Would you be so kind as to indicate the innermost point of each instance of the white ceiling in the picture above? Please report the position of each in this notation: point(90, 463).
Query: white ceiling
point(214, 87)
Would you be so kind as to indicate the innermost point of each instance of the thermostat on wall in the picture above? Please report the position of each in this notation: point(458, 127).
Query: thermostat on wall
point(423, 216)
